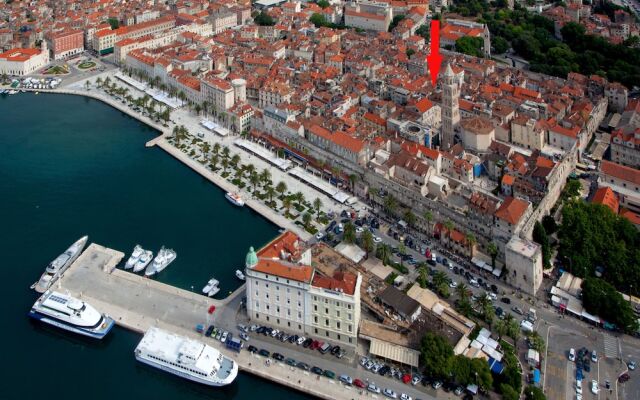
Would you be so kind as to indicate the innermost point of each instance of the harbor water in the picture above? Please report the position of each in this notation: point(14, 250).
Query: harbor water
point(71, 166)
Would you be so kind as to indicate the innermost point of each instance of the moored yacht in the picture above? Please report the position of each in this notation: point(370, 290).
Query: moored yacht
point(163, 259)
point(135, 255)
point(235, 199)
point(71, 314)
point(57, 267)
point(210, 285)
point(240, 275)
point(186, 358)
point(213, 291)
point(143, 261)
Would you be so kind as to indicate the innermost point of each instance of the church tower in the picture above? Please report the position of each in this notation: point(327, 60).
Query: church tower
point(450, 110)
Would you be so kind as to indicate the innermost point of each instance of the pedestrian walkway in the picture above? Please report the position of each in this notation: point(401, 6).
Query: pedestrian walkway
point(610, 346)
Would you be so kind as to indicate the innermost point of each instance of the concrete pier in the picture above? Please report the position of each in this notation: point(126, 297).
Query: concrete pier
point(137, 303)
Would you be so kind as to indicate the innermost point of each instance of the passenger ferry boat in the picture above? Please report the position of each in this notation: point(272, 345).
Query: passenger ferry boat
point(57, 267)
point(186, 358)
point(235, 199)
point(71, 314)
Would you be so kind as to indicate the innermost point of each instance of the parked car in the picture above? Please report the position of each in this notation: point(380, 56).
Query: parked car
point(436, 384)
point(405, 397)
point(373, 388)
point(594, 356)
point(359, 383)
point(390, 393)
point(252, 349)
point(506, 300)
point(278, 356)
point(572, 354)
point(517, 310)
point(594, 387)
point(303, 366)
point(317, 370)
point(291, 362)
point(329, 374)
point(301, 340)
point(416, 379)
point(307, 343)
point(346, 379)
point(631, 365)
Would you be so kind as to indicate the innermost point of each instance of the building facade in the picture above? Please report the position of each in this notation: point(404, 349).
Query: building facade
point(450, 108)
point(20, 62)
point(66, 43)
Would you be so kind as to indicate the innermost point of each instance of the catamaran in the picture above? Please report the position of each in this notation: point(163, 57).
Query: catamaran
point(71, 314)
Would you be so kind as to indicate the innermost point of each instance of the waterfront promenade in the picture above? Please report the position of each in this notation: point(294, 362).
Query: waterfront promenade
point(137, 303)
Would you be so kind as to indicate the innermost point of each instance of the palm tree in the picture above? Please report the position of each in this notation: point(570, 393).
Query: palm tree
point(99, 82)
point(471, 241)
point(225, 164)
point(349, 233)
point(216, 148)
point(225, 152)
point(449, 225)
point(409, 218)
point(299, 197)
point(235, 160)
point(501, 328)
point(422, 275)
point(513, 329)
point(462, 290)
point(428, 216)
point(265, 176)
point(281, 187)
point(215, 159)
point(317, 204)
point(390, 204)
point(402, 250)
point(492, 249)
point(270, 191)
point(206, 148)
point(254, 179)
point(286, 203)
point(306, 219)
point(440, 279)
point(366, 240)
point(87, 84)
point(250, 168)
point(353, 178)
point(383, 252)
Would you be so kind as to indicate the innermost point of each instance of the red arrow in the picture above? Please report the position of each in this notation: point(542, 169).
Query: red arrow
point(434, 59)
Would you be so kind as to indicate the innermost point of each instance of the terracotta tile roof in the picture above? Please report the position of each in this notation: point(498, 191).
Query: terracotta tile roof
point(19, 54)
point(508, 179)
point(288, 243)
point(607, 197)
point(341, 281)
point(620, 171)
point(511, 210)
point(300, 273)
point(631, 216)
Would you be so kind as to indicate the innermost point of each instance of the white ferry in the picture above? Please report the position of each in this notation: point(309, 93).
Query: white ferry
point(235, 199)
point(186, 358)
point(71, 314)
point(57, 267)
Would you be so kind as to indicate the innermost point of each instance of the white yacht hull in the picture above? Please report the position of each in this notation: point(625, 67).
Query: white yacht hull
point(43, 283)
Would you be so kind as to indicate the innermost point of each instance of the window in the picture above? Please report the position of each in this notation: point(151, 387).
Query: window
point(257, 316)
point(267, 285)
point(349, 340)
point(288, 290)
point(278, 309)
point(278, 299)
point(278, 321)
point(349, 316)
point(299, 314)
point(267, 317)
point(337, 304)
point(315, 330)
point(267, 307)
point(338, 314)
point(289, 323)
point(326, 321)
point(338, 325)
point(315, 319)
point(257, 304)
point(349, 328)
point(314, 297)
point(257, 294)
point(326, 301)
point(266, 295)
point(326, 310)
point(349, 306)
point(288, 311)
point(315, 307)
point(288, 301)
point(338, 337)
point(326, 333)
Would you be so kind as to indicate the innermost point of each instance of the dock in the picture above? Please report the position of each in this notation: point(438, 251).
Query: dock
point(137, 303)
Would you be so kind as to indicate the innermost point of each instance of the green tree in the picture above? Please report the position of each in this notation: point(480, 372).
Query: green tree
point(470, 45)
point(299, 197)
point(540, 236)
point(286, 203)
point(281, 188)
point(317, 205)
point(264, 19)
point(537, 342)
point(306, 219)
point(500, 45)
point(424, 31)
point(492, 249)
point(534, 393)
point(235, 160)
point(422, 275)
point(435, 354)
point(395, 21)
point(366, 240)
point(390, 204)
point(113, 23)
point(349, 233)
point(318, 20)
point(270, 192)
point(508, 392)
point(601, 298)
point(383, 253)
point(323, 4)
point(254, 179)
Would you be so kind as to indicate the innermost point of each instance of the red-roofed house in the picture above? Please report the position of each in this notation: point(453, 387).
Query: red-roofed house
point(285, 292)
point(625, 181)
point(340, 144)
point(66, 43)
point(606, 197)
point(19, 62)
point(511, 213)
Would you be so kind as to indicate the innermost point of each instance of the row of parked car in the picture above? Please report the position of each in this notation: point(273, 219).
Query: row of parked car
point(322, 347)
point(346, 379)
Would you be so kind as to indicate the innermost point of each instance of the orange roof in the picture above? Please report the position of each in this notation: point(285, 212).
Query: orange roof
point(631, 216)
point(606, 197)
point(339, 138)
point(287, 242)
point(620, 171)
point(300, 273)
point(376, 119)
point(512, 210)
point(508, 180)
point(19, 54)
point(340, 282)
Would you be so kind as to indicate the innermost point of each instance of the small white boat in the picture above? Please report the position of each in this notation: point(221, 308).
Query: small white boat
point(240, 275)
point(163, 259)
point(214, 290)
point(143, 261)
point(135, 256)
point(210, 285)
point(235, 199)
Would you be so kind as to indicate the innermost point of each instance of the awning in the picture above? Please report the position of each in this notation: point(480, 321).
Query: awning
point(495, 366)
point(394, 352)
point(591, 317)
point(497, 272)
point(536, 376)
